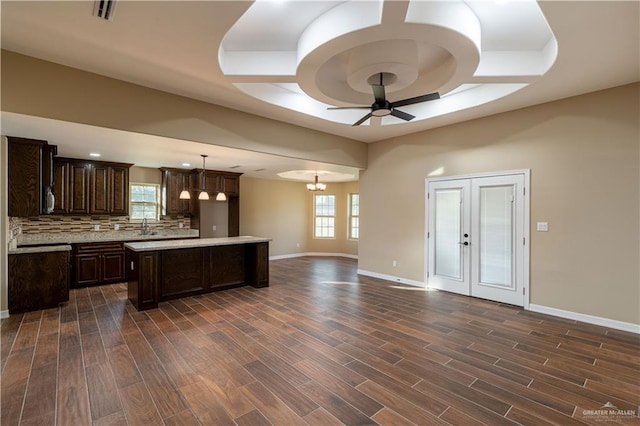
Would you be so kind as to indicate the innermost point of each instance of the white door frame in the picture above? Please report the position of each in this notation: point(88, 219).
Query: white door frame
point(526, 231)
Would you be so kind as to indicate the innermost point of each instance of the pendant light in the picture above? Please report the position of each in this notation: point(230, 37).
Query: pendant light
point(184, 195)
point(221, 196)
point(316, 186)
point(203, 193)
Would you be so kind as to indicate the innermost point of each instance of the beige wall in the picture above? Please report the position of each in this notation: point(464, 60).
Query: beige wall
point(34, 87)
point(4, 224)
point(283, 211)
point(584, 156)
point(145, 175)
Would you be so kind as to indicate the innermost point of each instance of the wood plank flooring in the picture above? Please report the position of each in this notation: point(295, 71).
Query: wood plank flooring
point(320, 346)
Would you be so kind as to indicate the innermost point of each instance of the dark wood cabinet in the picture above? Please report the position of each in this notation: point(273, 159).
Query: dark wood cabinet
point(30, 174)
point(230, 184)
point(182, 272)
point(143, 278)
point(37, 280)
point(98, 263)
point(109, 189)
point(174, 181)
point(79, 174)
point(90, 187)
point(165, 274)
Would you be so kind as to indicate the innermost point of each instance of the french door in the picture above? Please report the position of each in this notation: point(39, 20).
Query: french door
point(476, 237)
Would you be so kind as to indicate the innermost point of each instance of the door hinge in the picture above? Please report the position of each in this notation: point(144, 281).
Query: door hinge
point(523, 291)
point(524, 241)
point(428, 235)
point(524, 190)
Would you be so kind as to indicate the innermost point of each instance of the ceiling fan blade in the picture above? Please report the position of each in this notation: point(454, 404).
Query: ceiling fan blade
point(351, 107)
point(402, 115)
point(378, 93)
point(362, 120)
point(416, 100)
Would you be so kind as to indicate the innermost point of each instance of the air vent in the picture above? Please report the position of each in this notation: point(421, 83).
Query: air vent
point(234, 167)
point(104, 9)
point(259, 170)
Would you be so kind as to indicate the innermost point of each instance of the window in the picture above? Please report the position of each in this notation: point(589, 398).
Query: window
point(354, 216)
point(324, 213)
point(144, 202)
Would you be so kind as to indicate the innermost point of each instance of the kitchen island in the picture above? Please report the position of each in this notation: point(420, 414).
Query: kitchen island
point(157, 271)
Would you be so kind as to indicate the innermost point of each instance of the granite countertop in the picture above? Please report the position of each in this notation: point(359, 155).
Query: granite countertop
point(40, 249)
point(201, 242)
point(102, 236)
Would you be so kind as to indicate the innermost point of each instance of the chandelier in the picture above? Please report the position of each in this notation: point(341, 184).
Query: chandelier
point(316, 186)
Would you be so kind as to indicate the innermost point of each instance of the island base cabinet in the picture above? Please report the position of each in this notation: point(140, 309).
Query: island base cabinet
point(37, 280)
point(143, 278)
point(158, 276)
point(258, 265)
point(182, 273)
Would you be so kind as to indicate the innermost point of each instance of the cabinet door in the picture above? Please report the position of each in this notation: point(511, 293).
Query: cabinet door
point(174, 182)
point(25, 177)
point(119, 190)
point(229, 184)
point(87, 269)
point(79, 187)
point(113, 267)
point(99, 190)
point(61, 187)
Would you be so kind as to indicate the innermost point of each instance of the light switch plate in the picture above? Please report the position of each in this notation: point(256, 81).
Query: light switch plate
point(96, 227)
point(116, 226)
point(542, 227)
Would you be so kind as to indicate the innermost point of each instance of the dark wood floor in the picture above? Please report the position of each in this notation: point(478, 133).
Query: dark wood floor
point(320, 346)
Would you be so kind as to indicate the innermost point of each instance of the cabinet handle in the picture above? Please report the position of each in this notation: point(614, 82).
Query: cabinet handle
point(132, 265)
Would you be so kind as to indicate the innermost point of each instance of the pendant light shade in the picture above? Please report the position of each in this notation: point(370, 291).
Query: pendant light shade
point(203, 196)
point(184, 195)
point(221, 196)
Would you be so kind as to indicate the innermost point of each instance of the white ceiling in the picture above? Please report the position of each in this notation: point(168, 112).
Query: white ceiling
point(502, 56)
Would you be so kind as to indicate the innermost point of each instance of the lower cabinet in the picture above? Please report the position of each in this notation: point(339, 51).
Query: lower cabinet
point(38, 280)
point(157, 276)
point(98, 263)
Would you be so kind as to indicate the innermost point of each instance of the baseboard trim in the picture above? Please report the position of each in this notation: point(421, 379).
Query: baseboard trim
point(4, 314)
point(391, 278)
point(292, 255)
point(591, 319)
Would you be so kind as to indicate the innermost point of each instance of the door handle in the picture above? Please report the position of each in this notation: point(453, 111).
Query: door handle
point(466, 243)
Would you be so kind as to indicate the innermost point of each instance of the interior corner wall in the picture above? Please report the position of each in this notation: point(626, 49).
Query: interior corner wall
point(584, 157)
point(341, 244)
point(282, 211)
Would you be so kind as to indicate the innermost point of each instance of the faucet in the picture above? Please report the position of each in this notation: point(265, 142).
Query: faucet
point(145, 227)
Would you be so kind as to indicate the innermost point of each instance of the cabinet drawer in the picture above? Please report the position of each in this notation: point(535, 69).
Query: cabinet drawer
point(99, 247)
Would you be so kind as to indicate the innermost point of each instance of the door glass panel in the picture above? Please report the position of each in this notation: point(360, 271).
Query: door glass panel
point(496, 235)
point(448, 261)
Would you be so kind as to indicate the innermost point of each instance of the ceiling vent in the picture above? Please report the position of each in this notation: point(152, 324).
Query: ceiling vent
point(104, 9)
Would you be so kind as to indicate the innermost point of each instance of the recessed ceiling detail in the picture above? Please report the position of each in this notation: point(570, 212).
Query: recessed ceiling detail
point(470, 52)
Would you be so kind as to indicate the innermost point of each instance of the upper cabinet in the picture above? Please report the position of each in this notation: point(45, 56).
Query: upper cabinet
point(91, 187)
point(109, 188)
point(30, 175)
point(174, 181)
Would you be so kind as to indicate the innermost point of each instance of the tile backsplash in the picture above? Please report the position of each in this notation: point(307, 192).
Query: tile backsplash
point(58, 224)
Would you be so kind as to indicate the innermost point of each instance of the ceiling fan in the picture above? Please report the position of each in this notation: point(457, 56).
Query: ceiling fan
point(382, 107)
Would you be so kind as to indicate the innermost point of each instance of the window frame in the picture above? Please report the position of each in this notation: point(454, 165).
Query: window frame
point(316, 216)
point(157, 204)
point(351, 216)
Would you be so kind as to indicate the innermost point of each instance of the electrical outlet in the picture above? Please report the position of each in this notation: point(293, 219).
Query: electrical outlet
point(96, 227)
point(116, 227)
point(181, 225)
point(297, 244)
point(395, 263)
point(214, 228)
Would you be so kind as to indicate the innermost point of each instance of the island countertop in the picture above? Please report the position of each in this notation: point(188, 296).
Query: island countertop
point(191, 243)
